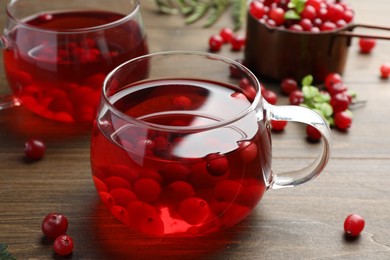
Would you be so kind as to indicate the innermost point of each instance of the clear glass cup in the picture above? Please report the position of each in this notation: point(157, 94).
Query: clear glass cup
point(181, 145)
point(57, 53)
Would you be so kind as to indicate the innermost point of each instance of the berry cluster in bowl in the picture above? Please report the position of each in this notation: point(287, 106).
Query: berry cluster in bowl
point(303, 15)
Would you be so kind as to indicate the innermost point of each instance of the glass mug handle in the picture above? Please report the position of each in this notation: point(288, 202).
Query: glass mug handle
point(6, 100)
point(309, 117)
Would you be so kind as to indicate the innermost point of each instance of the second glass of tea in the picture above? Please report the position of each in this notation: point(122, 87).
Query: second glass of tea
point(57, 53)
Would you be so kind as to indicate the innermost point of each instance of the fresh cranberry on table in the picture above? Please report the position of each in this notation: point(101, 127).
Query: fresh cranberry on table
point(288, 85)
point(278, 125)
point(353, 225)
point(215, 43)
point(385, 70)
point(366, 44)
point(34, 149)
point(54, 225)
point(313, 135)
point(63, 245)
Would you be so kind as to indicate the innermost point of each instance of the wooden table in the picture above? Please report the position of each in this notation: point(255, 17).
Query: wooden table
point(299, 223)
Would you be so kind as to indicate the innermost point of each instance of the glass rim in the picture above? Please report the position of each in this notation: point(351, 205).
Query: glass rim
point(20, 22)
point(227, 121)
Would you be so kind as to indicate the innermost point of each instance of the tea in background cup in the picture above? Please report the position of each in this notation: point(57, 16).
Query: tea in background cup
point(57, 53)
point(183, 148)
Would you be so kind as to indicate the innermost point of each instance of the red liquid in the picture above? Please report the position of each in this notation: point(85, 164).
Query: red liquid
point(59, 74)
point(179, 183)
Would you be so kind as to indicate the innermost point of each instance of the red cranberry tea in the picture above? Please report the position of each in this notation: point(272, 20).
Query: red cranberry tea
point(58, 61)
point(169, 174)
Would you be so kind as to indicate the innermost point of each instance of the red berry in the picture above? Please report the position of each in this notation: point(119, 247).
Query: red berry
point(147, 190)
point(182, 102)
point(237, 42)
point(277, 15)
point(217, 165)
point(385, 70)
point(343, 120)
point(215, 43)
point(338, 87)
point(328, 26)
point(312, 133)
point(54, 225)
point(226, 34)
point(194, 210)
point(288, 85)
point(366, 44)
point(309, 12)
point(63, 245)
point(278, 125)
point(257, 9)
point(339, 102)
point(34, 149)
point(353, 225)
point(331, 79)
point(296, 97)
point(270, 96)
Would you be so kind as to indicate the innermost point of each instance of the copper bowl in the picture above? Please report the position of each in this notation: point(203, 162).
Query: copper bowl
point(275, 53)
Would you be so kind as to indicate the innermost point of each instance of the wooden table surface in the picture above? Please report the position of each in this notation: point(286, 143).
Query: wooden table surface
point(305, 222)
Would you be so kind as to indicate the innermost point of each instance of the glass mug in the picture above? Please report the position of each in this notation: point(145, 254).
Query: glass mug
point(181, 145)
point(57, 53)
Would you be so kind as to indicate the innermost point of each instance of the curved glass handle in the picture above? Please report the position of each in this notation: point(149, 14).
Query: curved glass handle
point(6, 100)
point(309, 117)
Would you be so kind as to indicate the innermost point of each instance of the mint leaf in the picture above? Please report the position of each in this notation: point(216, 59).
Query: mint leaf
point(309, 92)
point(4, 254)
point(291, 15)
point(307, 80)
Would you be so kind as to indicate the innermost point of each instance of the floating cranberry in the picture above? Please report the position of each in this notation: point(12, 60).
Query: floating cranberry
point(353, 225)
point(139, 212)
point(122, 196)
point(113, 182)
point(34, 149)
point(63, 245)
point(194, 210)
point(227, 190)
point(217, 164)
point(54, 225)
point(249, 151)
point(180, 190)
point(182, 102)
point(147, 190)
point(120, 213)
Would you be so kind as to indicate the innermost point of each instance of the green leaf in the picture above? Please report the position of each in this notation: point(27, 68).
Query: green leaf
point(291, 15)
point(326, 109)
point(4, 254)
point(309, 92)
point(199, 11)
point(307, 80)
point(239, 13)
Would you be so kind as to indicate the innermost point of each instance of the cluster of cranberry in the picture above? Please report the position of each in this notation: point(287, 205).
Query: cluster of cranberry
point(302, 15)
point(226, 36)
point(54, 226)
